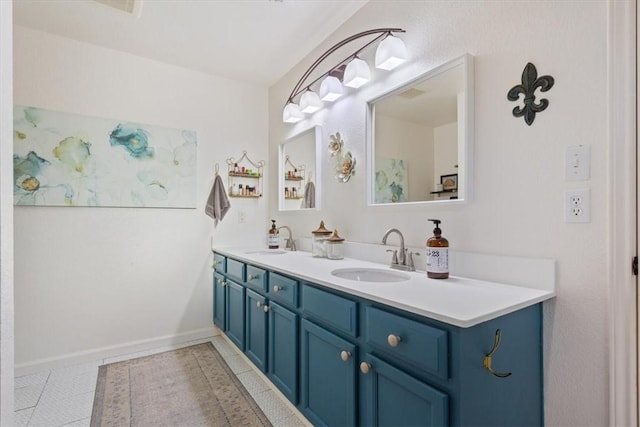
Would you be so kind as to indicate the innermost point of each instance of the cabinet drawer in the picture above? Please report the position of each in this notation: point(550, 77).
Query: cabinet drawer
point(283, 289)
point(334, 310)
point(407, 340)
point(256, 278)
point(219, 263)
point(235, 269)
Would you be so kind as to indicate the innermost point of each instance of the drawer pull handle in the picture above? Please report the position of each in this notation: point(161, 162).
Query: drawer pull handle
point(365, 368)
point(345, 355)
point(252, 277)
point(488, 358)
point(277, 288)
point(393, 340)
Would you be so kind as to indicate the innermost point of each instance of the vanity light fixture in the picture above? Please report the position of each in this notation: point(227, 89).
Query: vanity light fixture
point(292, 113)
point(331, 89)
point(310, 102)
point(350, 72)
point(357, 73)
point(391, 52)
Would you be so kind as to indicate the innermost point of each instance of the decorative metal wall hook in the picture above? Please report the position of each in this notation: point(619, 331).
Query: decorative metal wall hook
point(530, 82)
point(486, 362)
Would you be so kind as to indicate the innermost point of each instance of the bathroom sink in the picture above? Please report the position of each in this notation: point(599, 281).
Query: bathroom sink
point(370, 275)
point(268, 252)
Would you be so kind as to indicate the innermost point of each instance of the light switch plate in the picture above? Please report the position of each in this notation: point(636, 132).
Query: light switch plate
point(577, 163)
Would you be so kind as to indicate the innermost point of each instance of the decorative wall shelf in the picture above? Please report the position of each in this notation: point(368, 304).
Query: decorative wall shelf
point(245, 177)
point(295, 176)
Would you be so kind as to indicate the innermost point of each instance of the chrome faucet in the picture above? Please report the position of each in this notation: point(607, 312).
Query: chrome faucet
point(289, 244)
point(401, 262)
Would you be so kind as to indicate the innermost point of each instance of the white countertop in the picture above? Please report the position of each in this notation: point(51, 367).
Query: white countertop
point(458, 301)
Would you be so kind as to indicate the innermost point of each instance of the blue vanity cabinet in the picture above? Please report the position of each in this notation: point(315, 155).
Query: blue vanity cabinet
point(235, 314)
point(219, 300)
point(256, 329)
point(391, 397)
point(327, 377)
point(344, 360)
point(283, 350)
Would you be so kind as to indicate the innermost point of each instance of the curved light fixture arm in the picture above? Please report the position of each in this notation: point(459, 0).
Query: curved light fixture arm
point(298, 87)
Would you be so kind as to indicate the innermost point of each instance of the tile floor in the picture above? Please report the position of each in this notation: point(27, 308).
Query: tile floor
point(64, 397)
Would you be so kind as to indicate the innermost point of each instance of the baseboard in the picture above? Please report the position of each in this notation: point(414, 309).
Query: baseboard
point(102, 353)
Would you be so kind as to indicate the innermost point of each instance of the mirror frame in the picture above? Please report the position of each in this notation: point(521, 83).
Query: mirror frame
point(317, 178)
point(465, 143)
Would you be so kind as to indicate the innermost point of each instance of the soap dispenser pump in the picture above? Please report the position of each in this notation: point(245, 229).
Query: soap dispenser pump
point(437, 254)
point(273, 237)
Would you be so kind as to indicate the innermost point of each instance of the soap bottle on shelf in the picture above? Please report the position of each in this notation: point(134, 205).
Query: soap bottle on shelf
point(273, 238)
point(437, 254)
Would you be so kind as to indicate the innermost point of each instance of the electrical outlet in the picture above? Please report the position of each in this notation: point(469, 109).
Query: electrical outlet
point(241, 217)
point(577, 205)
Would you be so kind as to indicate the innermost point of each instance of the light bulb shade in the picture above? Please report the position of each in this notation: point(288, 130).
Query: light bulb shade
point(357, 73)
point(331, 89)
point(292, 113)
point(310, 102)
point(391, 52)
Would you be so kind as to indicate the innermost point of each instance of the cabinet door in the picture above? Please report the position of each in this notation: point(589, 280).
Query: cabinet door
point(256, 329)
point(390, 397)
point(219, 285)
point(234, 322)
point(283, 350)
point(328, 383)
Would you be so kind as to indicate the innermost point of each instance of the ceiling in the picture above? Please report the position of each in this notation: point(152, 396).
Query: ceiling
point(257, 41)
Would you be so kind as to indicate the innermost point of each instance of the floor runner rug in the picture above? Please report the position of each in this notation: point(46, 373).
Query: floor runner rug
point(191, 386)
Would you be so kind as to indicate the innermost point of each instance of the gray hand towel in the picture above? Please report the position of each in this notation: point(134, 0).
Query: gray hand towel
point(218, 202)
point(310, 195)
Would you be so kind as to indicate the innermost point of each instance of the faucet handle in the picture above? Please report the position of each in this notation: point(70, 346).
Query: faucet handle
point(410, 260)
point(394, 259)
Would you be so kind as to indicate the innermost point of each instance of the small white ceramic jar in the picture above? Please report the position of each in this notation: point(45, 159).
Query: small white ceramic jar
point(335, 246)
point(319, 240)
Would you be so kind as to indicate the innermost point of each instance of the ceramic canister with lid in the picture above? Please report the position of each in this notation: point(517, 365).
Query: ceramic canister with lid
point(335, 246)
point(318, 242)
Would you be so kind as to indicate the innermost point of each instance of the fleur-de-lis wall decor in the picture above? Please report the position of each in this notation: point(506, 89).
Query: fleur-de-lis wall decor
point(530, 82)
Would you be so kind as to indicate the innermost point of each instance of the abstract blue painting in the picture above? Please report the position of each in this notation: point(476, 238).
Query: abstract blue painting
point(391, 180)
point(65, 159)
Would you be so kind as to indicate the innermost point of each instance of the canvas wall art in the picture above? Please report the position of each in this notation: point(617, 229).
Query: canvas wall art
point(391, 180)
point(65, 159)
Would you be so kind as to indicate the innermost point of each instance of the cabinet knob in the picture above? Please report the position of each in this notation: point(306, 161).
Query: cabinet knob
point(252, 277)
point(393, 340)
point(277, 288)
point(222, 282)
point(345, 355)
point(365, 368)
point(259, 304)
point(265, 308)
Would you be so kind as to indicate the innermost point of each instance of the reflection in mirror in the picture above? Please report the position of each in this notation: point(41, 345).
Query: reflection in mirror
point(419, 138)
point(298, 183)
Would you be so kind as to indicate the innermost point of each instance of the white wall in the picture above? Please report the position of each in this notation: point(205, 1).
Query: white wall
point(6, 219)
point(567, 40)
point(413, 143)
point(91, 281)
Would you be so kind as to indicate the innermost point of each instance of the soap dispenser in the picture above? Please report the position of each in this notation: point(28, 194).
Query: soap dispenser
point(273, 237)
point(437, 254)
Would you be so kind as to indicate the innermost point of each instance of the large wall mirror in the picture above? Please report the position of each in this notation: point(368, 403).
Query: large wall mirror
point(420, 138)
point(299, 181)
